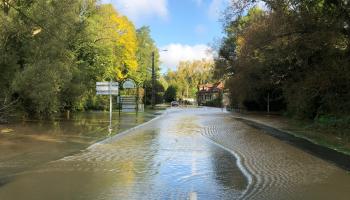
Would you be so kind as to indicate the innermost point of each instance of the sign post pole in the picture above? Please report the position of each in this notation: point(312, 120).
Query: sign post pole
point(108, 88)
point(110, 107)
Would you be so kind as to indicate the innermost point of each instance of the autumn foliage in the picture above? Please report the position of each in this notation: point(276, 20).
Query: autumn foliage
point(53, 52)
point(292, 54)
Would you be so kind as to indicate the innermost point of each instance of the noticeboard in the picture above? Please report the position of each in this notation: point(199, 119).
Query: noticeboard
point(107, 88)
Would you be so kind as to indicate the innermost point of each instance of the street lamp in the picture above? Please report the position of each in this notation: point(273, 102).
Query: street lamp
point(153, 98)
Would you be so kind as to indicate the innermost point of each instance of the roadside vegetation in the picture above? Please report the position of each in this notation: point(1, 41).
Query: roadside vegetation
point(53, 52)
point(292, 55)
point(187, 77)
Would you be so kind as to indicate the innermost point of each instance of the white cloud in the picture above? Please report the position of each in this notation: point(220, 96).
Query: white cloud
point(180, 52)
point(138, 9)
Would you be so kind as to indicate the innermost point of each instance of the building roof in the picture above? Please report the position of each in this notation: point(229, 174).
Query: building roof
point(209, 87)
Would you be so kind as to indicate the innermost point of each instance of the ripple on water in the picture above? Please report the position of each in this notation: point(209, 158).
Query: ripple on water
point(170, 159)
point(277, 170)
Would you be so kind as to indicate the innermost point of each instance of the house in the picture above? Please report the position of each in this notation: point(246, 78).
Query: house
point(209, 92)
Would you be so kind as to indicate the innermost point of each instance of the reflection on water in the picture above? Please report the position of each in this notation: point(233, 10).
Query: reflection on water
point(36, 142)
point(166, 159)
point(174, 157)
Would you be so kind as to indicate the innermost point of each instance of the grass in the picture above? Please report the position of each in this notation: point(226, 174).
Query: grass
point(331, 132)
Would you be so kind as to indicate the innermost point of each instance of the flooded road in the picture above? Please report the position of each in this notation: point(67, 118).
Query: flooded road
point(31, 143)
point(184, 154)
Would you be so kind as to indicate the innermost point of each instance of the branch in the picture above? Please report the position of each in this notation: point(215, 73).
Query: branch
point(8, 105)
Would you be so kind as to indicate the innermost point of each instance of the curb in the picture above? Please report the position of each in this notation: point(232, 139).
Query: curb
point(124, 133)
point(335, 157)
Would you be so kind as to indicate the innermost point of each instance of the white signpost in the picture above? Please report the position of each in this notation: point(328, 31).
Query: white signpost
point(108, 88)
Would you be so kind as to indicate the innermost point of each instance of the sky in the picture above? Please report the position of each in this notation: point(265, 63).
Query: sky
point(185, 28)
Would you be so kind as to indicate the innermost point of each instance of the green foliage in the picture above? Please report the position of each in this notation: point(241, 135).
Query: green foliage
point(146, 46)
point(215, 102)
point(170, 94)
point(41, 47)
point(189, 75)
point(53, 52)
point(159, 88)
point(111, 44)
point(330, 121)
point(296, 52)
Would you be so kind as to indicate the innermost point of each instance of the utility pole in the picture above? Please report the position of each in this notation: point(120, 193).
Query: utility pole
point(110, 107)
point(153, 98)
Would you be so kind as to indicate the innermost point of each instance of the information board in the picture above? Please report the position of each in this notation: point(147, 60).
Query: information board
point(107, 88)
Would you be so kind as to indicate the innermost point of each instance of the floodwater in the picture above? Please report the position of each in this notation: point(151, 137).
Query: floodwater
point(32, 143)
point(184, 154)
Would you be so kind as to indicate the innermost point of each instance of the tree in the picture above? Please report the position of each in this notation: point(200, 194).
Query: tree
point(159, 88)
point(114, 43)
point(42, 47)
point(53, 52)
point(145, 47)
point(294, 51)
point(170, 94)
point(106, 50)
point(189, 75)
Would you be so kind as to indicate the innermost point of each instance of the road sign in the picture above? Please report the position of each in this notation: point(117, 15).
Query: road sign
point(107, 88)
point(129, 84)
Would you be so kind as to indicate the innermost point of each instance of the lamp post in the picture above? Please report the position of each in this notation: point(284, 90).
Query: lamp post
point(153, 98)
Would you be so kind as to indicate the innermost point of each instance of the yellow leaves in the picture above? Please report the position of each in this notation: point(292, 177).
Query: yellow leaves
point(119, 74)
point(118, 34)
point(128, 41)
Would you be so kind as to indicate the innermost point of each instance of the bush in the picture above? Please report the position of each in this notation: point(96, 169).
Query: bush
point(215, 102)
point(170, 94)
point(330, 121)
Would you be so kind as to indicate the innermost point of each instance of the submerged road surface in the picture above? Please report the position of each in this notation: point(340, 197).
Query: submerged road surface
point(184, 154)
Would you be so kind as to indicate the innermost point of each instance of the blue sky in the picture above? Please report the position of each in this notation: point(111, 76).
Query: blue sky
point(188, 22)
point(184, 27)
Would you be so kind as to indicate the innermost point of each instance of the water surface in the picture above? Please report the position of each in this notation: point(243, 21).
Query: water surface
point(36, 142)
point(185, 154)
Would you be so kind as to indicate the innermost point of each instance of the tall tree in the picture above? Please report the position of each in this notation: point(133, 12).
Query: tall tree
point(146, 46)
point(115, 39)
point(296, 50)
point(189, 75)
point(42, 46)
point(53, 52)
